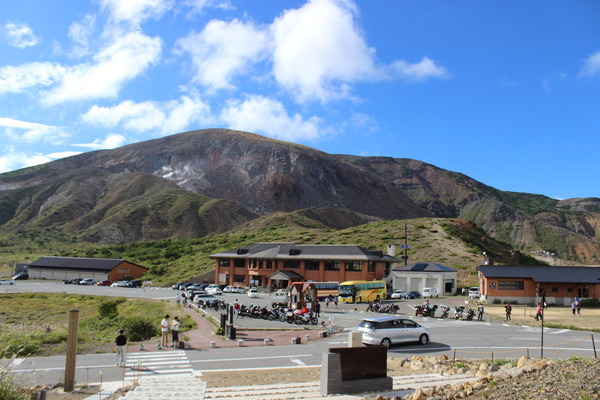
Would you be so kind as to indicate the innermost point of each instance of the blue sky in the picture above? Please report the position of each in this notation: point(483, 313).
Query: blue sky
point(504, 92)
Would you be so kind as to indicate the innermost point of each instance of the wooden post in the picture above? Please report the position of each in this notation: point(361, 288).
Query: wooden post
point(71, 350)
point(594, 346)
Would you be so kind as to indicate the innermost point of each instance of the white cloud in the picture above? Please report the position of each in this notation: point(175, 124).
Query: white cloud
point(591, 65)
point(120, 62)
point(12, 160)
point(111, 141)
point(32, 132)
point(318, 48)
point(81, 33)
point(166, 118)
point(263, 115)
point(420, 71)
point(20, 35)
point(198, 5)
point(134, 12)
point(319, 51)
point(26, 76)
point(223, 50)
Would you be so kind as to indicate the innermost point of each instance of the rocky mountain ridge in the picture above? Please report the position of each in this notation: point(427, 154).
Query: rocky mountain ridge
point(210, 181)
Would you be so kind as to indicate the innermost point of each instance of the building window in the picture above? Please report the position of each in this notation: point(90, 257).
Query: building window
point(269, 264)
point(291, 264)
point(583, 292)
point(371, 266)
point(569, 290)
point(239, 263)
point(332, 265)
point(353, 265)
point(510, 285)
point(311, 265)
point(224, 262)
point(239, 278)
point(554, 290)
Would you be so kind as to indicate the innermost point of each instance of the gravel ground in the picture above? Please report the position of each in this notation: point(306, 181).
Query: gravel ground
point(561, 380)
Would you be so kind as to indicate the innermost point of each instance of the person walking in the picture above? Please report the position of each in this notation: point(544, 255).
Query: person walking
point(120, 343)
point(480, 312)
point(508, 311)
point(335, 301)
point(175, 331)
point(318, 309)
point(164, 329)
point(574, 307)
point(538, 312)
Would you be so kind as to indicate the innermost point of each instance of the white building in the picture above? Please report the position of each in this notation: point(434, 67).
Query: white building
point(415, 277)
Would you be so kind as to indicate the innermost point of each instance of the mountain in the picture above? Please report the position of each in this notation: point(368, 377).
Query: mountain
point(210, 181)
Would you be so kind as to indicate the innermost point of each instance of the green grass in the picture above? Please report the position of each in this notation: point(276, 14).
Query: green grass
point(37, 323)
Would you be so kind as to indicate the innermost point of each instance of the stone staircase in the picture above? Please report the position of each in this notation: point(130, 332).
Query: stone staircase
point(192, 388)
point(402, 386)
point(168, 387)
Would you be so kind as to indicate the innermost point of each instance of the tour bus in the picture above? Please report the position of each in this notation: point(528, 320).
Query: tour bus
point(326, 289)
point(359, 291)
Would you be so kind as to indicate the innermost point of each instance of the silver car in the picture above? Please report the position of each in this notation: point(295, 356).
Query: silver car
point(388, 330)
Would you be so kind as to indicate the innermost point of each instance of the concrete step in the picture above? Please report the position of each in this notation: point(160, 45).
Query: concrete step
point(168, 387)
point(403, 385)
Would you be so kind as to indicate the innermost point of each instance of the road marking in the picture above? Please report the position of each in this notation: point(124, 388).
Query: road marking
point(559, 332)
point(158, 363)
point(296, 361)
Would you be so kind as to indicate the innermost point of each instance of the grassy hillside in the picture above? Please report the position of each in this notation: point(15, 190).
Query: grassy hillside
point(457, 244)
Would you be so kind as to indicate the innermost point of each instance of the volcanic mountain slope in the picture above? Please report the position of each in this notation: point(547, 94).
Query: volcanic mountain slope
point(200, 182)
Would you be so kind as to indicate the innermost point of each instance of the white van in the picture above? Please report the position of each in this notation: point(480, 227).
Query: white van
point(430, 292)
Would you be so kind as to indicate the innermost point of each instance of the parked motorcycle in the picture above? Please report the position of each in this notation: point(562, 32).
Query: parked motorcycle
point(445, 311)
point(425, 311)
point(458, 312)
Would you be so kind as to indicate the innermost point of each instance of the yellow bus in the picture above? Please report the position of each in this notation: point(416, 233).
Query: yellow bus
point(359, 291)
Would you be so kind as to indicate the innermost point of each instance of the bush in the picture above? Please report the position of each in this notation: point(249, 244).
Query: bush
point(8, 390)
point(590, 303)
point(139, 328)
point(108, 309)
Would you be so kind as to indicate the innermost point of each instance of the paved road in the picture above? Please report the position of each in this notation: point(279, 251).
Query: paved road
point(464, 339)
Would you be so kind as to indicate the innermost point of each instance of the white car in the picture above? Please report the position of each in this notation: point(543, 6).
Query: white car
point(119, 284)
point(213, 290)
point(398, 294)
point(474, 292)
point(234, 289)
point(87, 281)
point(388, 330)
point(6, 282)
point(253, 293)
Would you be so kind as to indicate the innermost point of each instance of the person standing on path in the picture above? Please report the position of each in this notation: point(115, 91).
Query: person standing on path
point(480, 314)
point(175, 331)
point(164, 329)
point(335, 301)
point(120, 343)
point(508, 311)
point(318, 309)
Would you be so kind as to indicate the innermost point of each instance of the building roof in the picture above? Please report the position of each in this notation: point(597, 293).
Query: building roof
point(285, 275)
point(288, 250)
point(424, 266)
point(93, 264)
point(543, 274)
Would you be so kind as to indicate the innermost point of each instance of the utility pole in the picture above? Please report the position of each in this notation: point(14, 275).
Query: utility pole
point(405, 245)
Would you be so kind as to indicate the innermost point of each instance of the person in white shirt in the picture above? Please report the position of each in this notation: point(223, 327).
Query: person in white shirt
point(164, 328)
point(175, 331)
